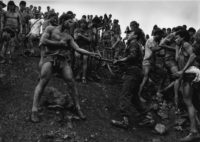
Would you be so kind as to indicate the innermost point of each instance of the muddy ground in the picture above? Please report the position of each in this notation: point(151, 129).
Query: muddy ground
point(99, 101)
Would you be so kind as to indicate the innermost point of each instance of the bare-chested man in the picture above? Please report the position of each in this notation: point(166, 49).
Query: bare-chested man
point(152, 45)
point(170, 63)
point(83, 39)
point(57, 43)
point(186, 58)
point(12, 21)
point(2, 12)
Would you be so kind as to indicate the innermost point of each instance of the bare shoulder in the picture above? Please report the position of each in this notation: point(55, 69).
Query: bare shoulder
point(67, 36)
point(187, 45)
point(49, 28)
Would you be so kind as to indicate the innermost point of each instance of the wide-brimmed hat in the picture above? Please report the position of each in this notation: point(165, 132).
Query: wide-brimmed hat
point(3, 4)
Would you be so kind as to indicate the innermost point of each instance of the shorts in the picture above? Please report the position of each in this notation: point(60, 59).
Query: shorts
point(58, 61)
point(192, 74)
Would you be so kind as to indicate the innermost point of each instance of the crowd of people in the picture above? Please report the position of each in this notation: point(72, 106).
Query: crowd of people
point(61, 40)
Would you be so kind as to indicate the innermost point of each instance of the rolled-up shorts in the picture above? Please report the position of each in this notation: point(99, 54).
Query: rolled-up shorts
point(58, 61)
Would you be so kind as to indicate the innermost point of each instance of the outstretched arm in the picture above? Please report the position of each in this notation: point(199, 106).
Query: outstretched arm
point(80, 50)
point(167, 47)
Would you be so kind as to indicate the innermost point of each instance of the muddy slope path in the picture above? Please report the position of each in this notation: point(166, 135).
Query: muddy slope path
point(99, 101)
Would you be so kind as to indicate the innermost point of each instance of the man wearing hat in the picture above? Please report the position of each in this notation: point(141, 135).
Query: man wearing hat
point(12, 21)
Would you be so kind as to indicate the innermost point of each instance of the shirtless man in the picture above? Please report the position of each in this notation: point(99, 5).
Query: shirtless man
point(152, 45)
point(83, 38)
point(12, 21)
point(51, 21)
point(170, 63)
point(186, 58)
point(23, 13)
point(57, 43)
point(2, 12)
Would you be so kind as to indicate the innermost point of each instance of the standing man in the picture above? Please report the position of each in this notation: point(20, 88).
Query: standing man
point(186, 58)
point(35, 25)
point(83, 38)
point(2, 12)
point(23, 14)
point(12, 23)
point(58, 42)
point(132, 79)
point(152, 45)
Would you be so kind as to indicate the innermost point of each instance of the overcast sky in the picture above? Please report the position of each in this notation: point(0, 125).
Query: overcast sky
point(164, 13)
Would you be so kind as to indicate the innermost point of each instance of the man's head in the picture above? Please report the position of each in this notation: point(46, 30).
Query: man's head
point(134, 25)
point(66, 21)
point(2, 5)
point(22, 5)
point(147, 36)
point(197, 36)
point(53, 18)
point(191, 31)
point(34, 8)
point(115, 21)
point(39, 8)
point(11, 6)
point(70, 13)
point(158, 34)
point(135, 35)
point(83, 23)
point(169, 30)
point(48, 8)
point(84, 17)
point(31, 7)
point(184, 27)
point(37, 14)
point(182, 36)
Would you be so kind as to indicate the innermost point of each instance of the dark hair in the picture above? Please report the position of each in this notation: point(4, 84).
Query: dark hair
point(139, 33)
point(84, 16)
point(155, 26)
point(64, 17)
point(191, 29)
point(184, 27)
point(82, 21)
point(184, 34)
point(158, 31)
point(135, 23)
point(52, 15)
point(22, 3)
point(169, 29)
